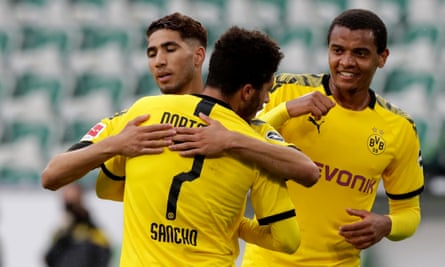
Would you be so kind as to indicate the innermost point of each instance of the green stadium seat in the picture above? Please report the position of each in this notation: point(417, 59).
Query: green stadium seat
point(75, 130)
point(35, 37)
point(329, 9)
point(429, 32)
point(51, 86)
point(96, 37)
point(144, 11)
point(21, 161)
point(30, 115)
point(270, 15)
point(98, 3)
point(401, 80)
point(301, 47)
point(393, 12)
point(43, 133)
point(87, 83)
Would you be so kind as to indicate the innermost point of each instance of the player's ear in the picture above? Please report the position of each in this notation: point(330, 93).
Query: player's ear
point(247, 92)
point(383, 57)
point(199, 57)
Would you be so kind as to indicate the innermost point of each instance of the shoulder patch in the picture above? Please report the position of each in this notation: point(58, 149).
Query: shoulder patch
point(94, 132)
point(300, 79)
point(273, 135)
point(257, 121)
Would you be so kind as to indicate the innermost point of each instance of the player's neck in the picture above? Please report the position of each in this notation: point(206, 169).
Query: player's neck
point(354, 99)
point(194, 87)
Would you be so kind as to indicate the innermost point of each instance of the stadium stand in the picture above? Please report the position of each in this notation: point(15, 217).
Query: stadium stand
point(86, 60)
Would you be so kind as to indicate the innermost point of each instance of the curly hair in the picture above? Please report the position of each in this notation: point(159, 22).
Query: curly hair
point(242, 57)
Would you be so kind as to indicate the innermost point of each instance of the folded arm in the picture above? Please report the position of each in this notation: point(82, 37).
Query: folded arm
point(283, 236)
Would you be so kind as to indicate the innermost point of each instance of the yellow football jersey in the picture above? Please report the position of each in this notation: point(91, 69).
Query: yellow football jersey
point(186, 211)
point(354, 150)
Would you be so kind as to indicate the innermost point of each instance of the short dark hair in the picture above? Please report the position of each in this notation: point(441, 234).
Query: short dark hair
point(187, 27)
point(242, 57)
point(361, 19)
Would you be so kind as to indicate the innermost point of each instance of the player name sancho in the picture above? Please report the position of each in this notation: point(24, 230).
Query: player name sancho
point(172, 234)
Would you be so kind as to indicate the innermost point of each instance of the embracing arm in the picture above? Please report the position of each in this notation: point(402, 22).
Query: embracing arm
point(283, 236)
point(279, 160)
point(133, 140)
point(69, 166)
point(282, 161)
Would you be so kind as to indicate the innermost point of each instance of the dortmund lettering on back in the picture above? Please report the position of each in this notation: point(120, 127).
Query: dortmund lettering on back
point(178, 120)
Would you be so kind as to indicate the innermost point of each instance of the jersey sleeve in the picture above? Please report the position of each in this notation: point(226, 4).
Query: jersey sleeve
point(110, 180)
point(404, 177)
point(270, 200)
point(269, 133)
point(276, 226)
point(110, 183)
point(106, 127)
point(276, 116)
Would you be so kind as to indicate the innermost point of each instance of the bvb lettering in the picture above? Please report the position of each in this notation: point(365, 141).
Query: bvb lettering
point(172, 234)
point(376, 144)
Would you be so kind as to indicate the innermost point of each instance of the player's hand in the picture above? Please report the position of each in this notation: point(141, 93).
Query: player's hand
point(314, 103)
point(365, 233)
point(208, 141)
point(135, 140)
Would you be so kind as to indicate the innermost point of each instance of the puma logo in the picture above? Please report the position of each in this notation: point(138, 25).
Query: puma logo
point(314, 122)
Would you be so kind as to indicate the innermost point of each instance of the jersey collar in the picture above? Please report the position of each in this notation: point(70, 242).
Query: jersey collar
point(325, 82)
point(212, 99)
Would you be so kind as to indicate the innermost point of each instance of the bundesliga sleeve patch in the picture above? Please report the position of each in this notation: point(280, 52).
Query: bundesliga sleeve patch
point(272, 135)
point(94, 132)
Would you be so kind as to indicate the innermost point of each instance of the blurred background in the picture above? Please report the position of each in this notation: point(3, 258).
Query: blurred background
point(65, 64)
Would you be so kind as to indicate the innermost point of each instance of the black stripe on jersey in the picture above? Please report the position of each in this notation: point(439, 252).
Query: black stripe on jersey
point(277, 217)
point(111, 175)
point(406, 195)
point(204, 106)
point(177, 182)
point(79, 145)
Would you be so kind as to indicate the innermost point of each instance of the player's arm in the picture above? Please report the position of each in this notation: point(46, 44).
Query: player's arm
point(281, 161)
point(133, 140)
point(402, 222)
point(405, 217)
point(275, 225)
point(110, 183)
point(281, 236)
point(314, 103)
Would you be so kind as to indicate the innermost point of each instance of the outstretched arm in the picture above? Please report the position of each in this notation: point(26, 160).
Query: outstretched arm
point(134, 140)
point(281, 161)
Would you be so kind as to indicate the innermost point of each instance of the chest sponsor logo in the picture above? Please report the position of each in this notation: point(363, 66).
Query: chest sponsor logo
point(346, 178)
